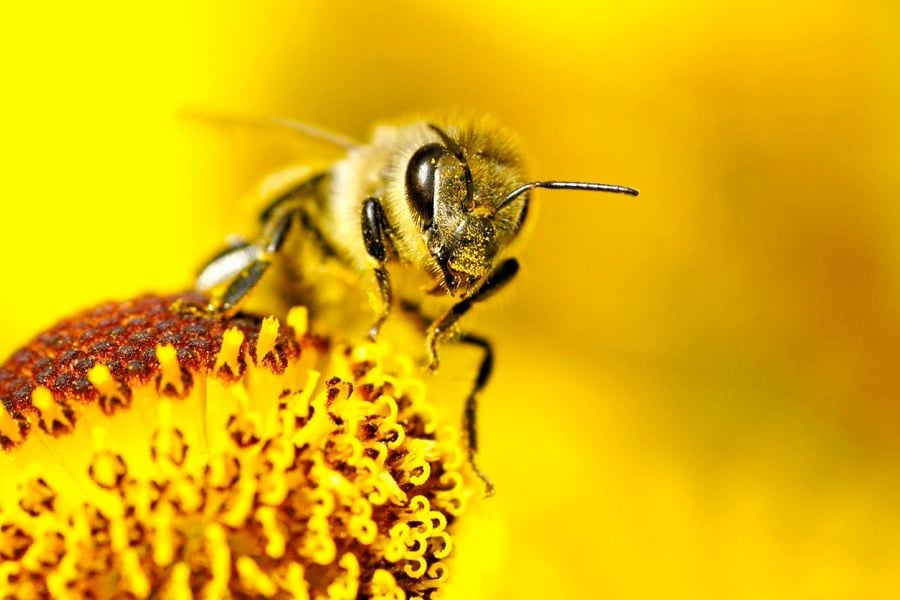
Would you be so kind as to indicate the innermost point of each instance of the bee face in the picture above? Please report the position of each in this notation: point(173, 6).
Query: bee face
point(454, 201)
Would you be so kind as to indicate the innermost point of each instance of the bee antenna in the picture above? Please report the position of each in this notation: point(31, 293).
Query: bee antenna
point(457, 151)
point(297, 127)
point(567, 185)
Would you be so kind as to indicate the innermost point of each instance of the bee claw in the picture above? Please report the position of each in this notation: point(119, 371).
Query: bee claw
point(489, 489)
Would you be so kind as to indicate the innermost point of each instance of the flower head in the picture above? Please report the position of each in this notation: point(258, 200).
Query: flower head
point(152, 448)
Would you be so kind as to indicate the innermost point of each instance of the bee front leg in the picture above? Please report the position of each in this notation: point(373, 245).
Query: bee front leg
point(374, 230)
point(493, 283)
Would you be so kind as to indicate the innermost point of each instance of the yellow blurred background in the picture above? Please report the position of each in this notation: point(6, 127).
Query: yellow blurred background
point(695, 392)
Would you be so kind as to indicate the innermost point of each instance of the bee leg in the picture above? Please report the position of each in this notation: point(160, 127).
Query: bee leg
point(291, 200)
point(471, 410)
point(374, 230)
point(240, 286)
point(493, 283)
point(256, 261)
point(384, 290)
point(225, 266)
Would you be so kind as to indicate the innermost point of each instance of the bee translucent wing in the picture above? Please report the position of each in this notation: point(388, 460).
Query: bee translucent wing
point(225, 266)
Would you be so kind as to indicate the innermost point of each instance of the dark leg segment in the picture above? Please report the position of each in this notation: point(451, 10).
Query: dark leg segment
point(384, 290)
point(374, 230)
point(289, 201)
point(278, 232)
point(471, 411)
point(238, 289)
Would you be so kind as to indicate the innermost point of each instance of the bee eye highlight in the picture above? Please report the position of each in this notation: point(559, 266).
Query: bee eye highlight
point(420, 182)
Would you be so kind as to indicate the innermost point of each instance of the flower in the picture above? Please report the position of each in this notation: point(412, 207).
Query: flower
point(152, 448)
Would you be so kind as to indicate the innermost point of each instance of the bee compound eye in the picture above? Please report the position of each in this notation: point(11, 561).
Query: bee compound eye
point(420, 182)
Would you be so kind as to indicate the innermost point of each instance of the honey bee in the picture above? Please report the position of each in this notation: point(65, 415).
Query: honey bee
point(421, 217)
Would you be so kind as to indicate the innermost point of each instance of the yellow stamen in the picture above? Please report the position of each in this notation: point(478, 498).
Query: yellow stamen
point(56, 417)
point(266, 341)
point(171, 370)
point(10, 432)
point(228, 355)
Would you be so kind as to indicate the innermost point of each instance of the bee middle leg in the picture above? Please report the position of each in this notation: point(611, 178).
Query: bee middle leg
point(378, 242)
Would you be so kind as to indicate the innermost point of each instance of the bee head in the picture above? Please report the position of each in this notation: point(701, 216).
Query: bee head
point(457, 219)
point(466, 222)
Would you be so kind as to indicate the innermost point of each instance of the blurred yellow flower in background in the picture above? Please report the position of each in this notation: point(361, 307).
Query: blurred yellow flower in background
point(695, 393)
